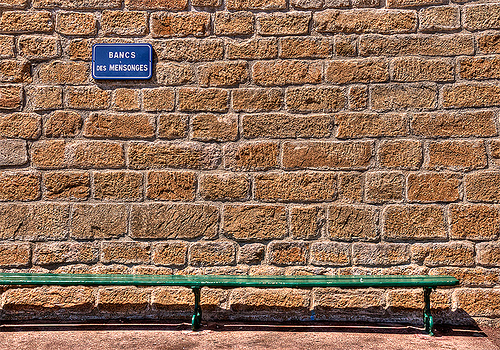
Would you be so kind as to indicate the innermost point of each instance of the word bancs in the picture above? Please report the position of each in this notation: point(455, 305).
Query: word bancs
point(122, 61)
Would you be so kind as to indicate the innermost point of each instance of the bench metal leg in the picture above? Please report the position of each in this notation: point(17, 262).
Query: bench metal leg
point(196, 319)
point(428, 320)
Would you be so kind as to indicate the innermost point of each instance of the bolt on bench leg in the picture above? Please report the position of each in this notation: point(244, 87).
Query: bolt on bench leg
point(196, 319)
point(428, 320)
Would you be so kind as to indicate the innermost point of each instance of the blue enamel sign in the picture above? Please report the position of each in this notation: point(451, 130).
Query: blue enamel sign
point(122, 61)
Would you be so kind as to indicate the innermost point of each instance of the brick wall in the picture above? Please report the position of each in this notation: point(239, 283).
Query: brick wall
point(275, 137)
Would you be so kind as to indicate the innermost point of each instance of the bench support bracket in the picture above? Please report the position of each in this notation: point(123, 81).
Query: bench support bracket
point(428, 320)
point(196, 319)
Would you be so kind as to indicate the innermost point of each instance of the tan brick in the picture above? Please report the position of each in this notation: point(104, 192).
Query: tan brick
point(270, 300)
point(370, 254)
point(6, 46)
point(20, 125)
point(95, 154)
point(11, 97)
point(13, 152)
point(223, 187)
point(165, 24)
point(425, 45)
point(113, 125)
point(479, 68)
point(453, 124)
point(413, 3)
point(307, 222)
point(408, 69)
point(251, 156)
point(13, 4)
point(191, 50)
point(118, 185)
point(169, 5)
point(234, 23)
point(474, 222)
point(62, 124)
point(87, 97)
point(58, 72)
point(351, 186)
point(34, 222)
point(172, 73)
point(365, 21)
point(169, 253)
point(19, 186)
point(488, 253)
point(469, 277)
point(457, 155)
point(15, 71)
point(481, 17)
point(360, 125)
point(257, 100)
point(355, 299)
point(358, 97)
point(251, 253)
point(479, 302)
point(181, 221)
point(171, 185)
point(256, 4)
point(408, 96)
point(172, 126)
point(255, 222)
point(101, 221)
point(352, 223)
point(212, 254)
point(290, 23)
point(65, 252)
point(274, 125)
point(124, 23)
point(44, 97)
point(288, 253)
point(286, 72)
point(206, 3)
point(384, 187)
point(309, 47)
point(209, 100)
point(38, 47)
point(76, 23)
point(346, 45)
point(49, 298)
point(439, 18)
point(126, 100)
point(158, 99)
point(123, 299)
point(66, 185)
point(188, 155)
point(488, 42)
point(412, 299)
point(315, 99)
point(26, 22)
point(15, 254)
point(357, 71)
point(433, 187)
point(482, 187)
point(262, 48)
point(295, 187)
point(443, 254)
point(79, 49)
point(470, 95)
point(77, 4)
point(327, 155)
point(125, 252)
point(330, 254)
point(416, 222)
point(495, 151)
point(48, 154)
point(220, 74)
point(182, 299)
point(406, 154)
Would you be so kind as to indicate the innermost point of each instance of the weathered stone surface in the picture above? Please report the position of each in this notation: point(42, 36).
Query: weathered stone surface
point(357, 71)
point(66, 185)
point(433, 187)
point(26, 22)
point(469, 277)
point(20, 125)
point(113, 125)
point(173, 73)
point(15, 254)
point(19, 186)
point(11, 97)
point(15, 71)
point(208, 100)
point(488, 253)
point(251, 156)
point(351, 187)
point(49, 298)
point(123, 299)
point(456, 155)
point(224, 187)
point(76, 23)
point(118, 185)
point(124, 23)
point(165, 24)
point(87, 97)
point(13, 153)
point(481, 187)
point(383, 187)
point(171, 185)
point(212, 254)
point(330, 254)
point(38, 47)
point(65, 252)
point(71, 73)
point(464, 95)
point(269, 300)
point(481, 17)
point(360, 125)
point(256, 4)
point(158, 99)
point(474, 222)
point(479, 302)
point(182, 299)
point(169, 253)
point(172, 126)
point(251, 253)
point(62, 124)
point(307, 222)
point(308, 47)
point(169, 5)
point(261, 48)
point(277, 125)
point(257, 100)
point(398, 96)
point(443, 254)
point(290, 23)
point(234, 23)
point(191, 50)
point(288, 253)
point(370, 254)
point(95, 154)
point(126, 100)
point(100, 221)
point(315, 99)
point(405, 154)
point(44, 97)
point(439, 18)
point(408, 69)
point(212, 127)
point(413, 299)
point(286, 72)
point(48, 154)
point(352, 223)
point(125, 252)
point(336, 298)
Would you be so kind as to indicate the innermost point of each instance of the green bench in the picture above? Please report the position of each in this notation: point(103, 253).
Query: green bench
point(196, 282)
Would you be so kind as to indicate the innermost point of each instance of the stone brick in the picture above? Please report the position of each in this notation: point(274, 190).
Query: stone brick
point(19, 186)
point(48, 154)
point(15, 254)
point(76, 23)
point(251, 253)
point(34, 222)
point(474, 222)
point(224, 187)
point(315, 99)
point(352, 223)
point(118, 185)
point(453, 124)
point(357, 71)
point(360, 125)
point(479, 68)
point(439, 18)
point(169, 5)
point(77, 4)
point(212, 254)
point(209, 100)
point(413, 3)
point(79, 49)
point(481, 17)
point(326, 155)
point(290, 23)
point(124, 126)
point(413, 299)
point(191, 50)
point(330, 254)
point(188, 155)
point(443, 254)
point(100, 221)
point(355, 299)
point(123, 299)
point(368, 254)
point(482, 187)
point(278, 125)
point(351, 187)
point(307, 4)
point(262, 48)
point(234, 23)
point(49, 298)
point(125, 252)
point(413, 223)
point(62, 124)
point(256, 5)
point(433, 187)
point(307, 222)
point(15, 71)
point(488, 43)
point(408, 69)
point(286, 73)
point(11, 97)
point(405, 154)
point(295, 187)
point(172, 126)
point(165, 24)
point(172, 73)
point(169, 253)
point(38, 47)
point(181, 221)
point(20, 125)
point(6, 46)
point(58, 72)
point(384, 187)
point(65, 252)
point(124, 23)
point(270, 300)
point(95, 154)
point(488, 253)
point(470, 95)
point(171, 185)
point(288, 253)
point(469, 277)
point(222, 74)
point(495, 151)
point(365, 21)
point(26, 22)
point(182, 299)
point(44, 97)
point(13, 153)
point(408, 96)
point(251, 156)
point(66, 185)
point(358, 97)
point(206, 3)
point(255, 222)
point(158, 99)
point(457, 155)
point(346, 45)
point(257, 100)
point(126, 100)
point(13, 4)
point(308, 47)
point(87, 97)
point(479, 302)
point(425, 45)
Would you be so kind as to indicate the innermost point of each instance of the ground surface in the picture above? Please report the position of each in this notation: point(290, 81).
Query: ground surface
point(239, 336)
